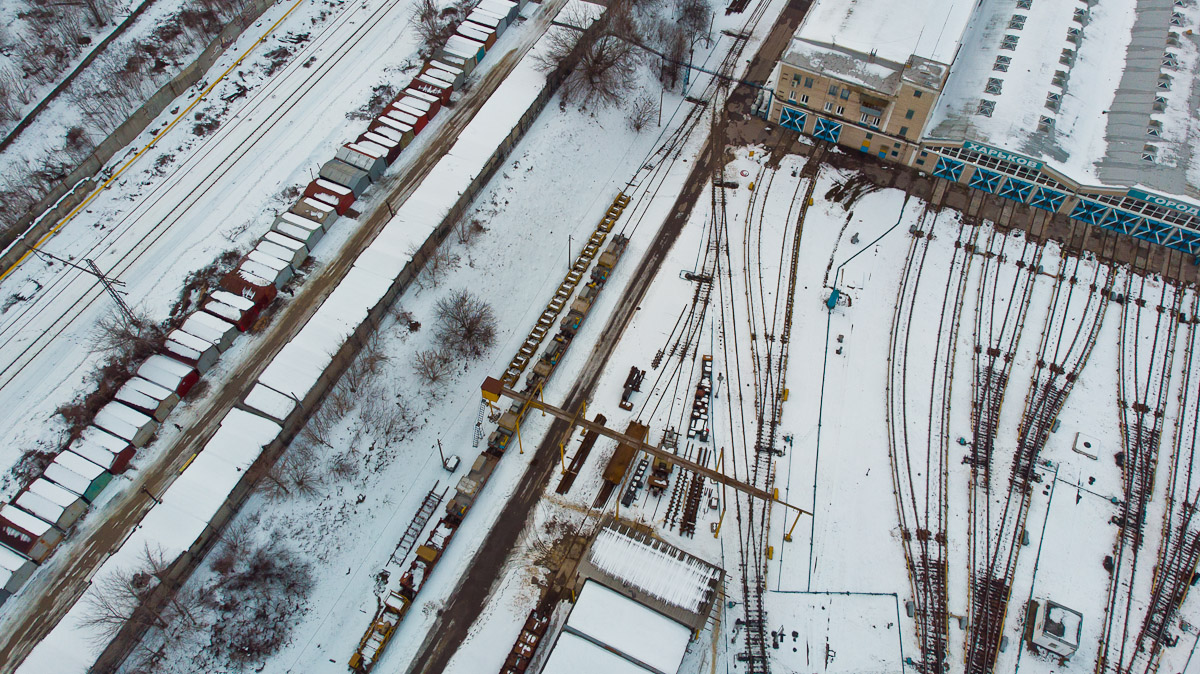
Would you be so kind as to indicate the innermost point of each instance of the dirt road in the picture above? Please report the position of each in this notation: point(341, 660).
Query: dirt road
point(43, 602)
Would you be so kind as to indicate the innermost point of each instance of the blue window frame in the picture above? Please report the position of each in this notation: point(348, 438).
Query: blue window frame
point(983, 179)
point(792, 118)
point(827, 129)
point(1017, 190)
point(949, 169)
point(1047, 200)
point(1121, 221)
point(1089, 211)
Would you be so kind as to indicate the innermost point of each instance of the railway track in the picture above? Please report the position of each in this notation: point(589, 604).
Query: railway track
point(1077, 307)
point(26, 334)
point(1144, 370)
point(1180, 549)
point(918, 441)
point(1009, 269)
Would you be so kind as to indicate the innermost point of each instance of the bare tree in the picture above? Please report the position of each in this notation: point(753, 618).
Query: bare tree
point(604, 74)
point(131, 336)
point(694, 17)
point(643, 112)
point(123, 597)
point(466, 324)
point(432, 366)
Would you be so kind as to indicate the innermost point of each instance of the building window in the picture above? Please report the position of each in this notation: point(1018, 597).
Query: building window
point(994, 86)
point(1053, 99)
point(841, 110)
point(870, 136)
point(791, 96)
point(1164, 82)
point(1073, 34)
point(804, 99)
point(1160, 103)
point(1045, 124)
point(1017, 22)
point(808, 82)
point(833, 89)
point(986, 107)
point(1009, 42)
point(1002, 63)
point(1177, 19)
point(1059, 79)
point(916, 93)
point(1024, 4)
point(1149, 153)
point(895, 154)
point(920, 162)
point(909, 114)
point(845, 94)
point(869, 120)
point(904, 132)
point(1154, 128)
point(1081, 15)
point(795, 80)
point(1170, 60)
point(1067, 58)
point(828, 106)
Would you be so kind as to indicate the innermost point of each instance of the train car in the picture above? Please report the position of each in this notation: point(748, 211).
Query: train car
point(104, 449)
point(27, 534)
point(341, 196)
point(169, 374)
point(608, 259)
point(499, 439)
point(350, 177)
point(579, 310)
point(470, 485)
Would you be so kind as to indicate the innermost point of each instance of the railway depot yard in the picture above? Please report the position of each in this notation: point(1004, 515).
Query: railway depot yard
point(527, 385)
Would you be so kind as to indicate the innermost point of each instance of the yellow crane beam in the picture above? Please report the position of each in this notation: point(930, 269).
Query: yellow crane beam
point(493, 389)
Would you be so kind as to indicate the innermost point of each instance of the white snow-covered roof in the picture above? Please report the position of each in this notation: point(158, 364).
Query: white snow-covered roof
point(634, 630)
point(1113, 106)
point(575, 655)
point(893, 29)
point(653, 569)
point(270, 402)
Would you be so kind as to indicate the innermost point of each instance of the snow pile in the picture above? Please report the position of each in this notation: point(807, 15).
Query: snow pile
point(666, 575)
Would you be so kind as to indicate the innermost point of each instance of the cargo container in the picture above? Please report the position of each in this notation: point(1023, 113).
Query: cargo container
point(126, 423)
point(220, 333)
point(478, 32)
point(296, 246)
point(341, 196)
point(29, 535)
point(148, 398)
point(68, 506)
point(391, 147)
point(432, 100)
point(391, 128)
point(445, 71)
point(269, 267)
point(317, 210)
point(343, 174)
point(104, 449)
point(309, 237)
point(192, 350)
point(360, 157)
point(169, 374)
point(466, 65)
point(76, 473)
point(15, 570)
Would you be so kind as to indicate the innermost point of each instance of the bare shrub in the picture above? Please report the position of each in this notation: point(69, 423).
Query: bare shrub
point(386, 414)
point(319, 428)
point(123, 597)
point(258, 603)
point(643, 112)
point(438, 265)
point(434, 25)
point(295, 474)
point(432, 366)
point(466, 324)
point(468, 230)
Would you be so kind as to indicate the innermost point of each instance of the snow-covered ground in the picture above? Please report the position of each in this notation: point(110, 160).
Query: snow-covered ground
point(195, 196)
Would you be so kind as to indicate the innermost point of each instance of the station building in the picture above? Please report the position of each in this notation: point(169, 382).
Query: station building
point(1079, 107)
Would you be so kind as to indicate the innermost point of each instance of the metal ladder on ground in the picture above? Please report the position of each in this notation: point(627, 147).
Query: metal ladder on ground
point(432, 500)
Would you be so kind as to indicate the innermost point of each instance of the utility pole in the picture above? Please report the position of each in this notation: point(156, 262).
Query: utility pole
point(569, 252)
point(111, 286)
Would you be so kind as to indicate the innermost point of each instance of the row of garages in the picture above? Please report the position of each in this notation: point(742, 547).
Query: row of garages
point(182, 518)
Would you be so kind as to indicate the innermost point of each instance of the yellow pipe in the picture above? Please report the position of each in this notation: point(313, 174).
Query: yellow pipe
point(158, 136)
